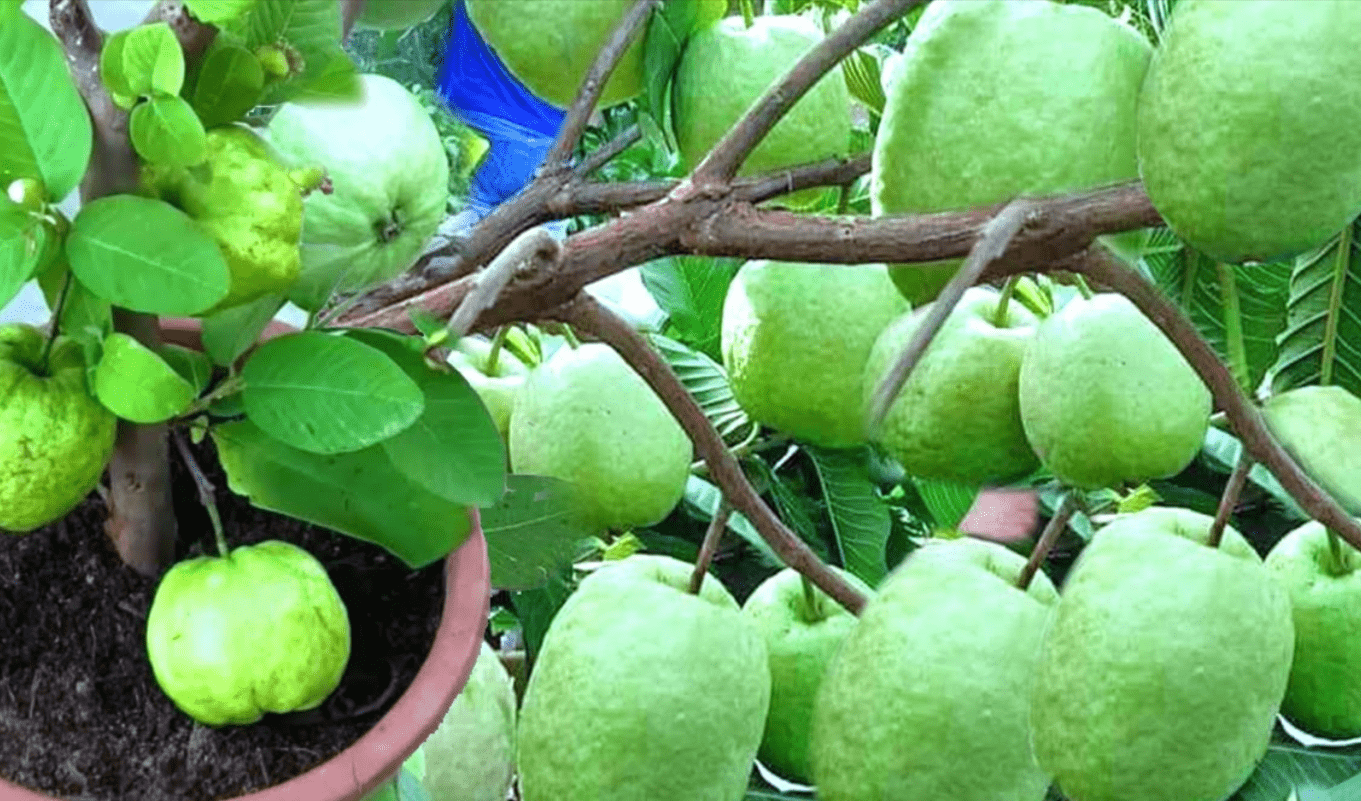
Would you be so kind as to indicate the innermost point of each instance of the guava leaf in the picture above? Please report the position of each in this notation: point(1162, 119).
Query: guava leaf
point(45, 129)
point(136, 384)
point(165, 130)
point(358, 494)
point(1287, 766)
point(861, 72)
point(453, 449)
point(230, 332)
point(663, 43)
point(312, 28)
point(707, 381)
point(84, 315)
point(229, 84)
point(1239, 309)
point(113, 74)
point(150, 62)
point(146, 256)
point(860, 517)
point(216, 11)
point(947, 502)
point(795, 508)
point(704, 498)
point(1321, 343)
point(1221, 449)
point(691, 290)
point(193, 366)
point(22, 242)
point(536, 608)
point(531, 532)
point(328, 394)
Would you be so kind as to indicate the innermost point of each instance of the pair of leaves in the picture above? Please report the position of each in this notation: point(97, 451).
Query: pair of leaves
point(143, 68)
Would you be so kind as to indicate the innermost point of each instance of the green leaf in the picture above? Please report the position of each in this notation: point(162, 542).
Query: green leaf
point(113, 74)
point(1322, 341)
point(536, 608)
point(312, 28)
point(231, 332)
point(358, 494)
point(795, 508)
point(1222, 449)
point(453, 449)
point(328, 394)
point(23, 240)
point(152, 61)
point(215, 11)
point(664, 41)
point(136, 384)
point(146, 256)
point(45, 130)
point(165, 130)
point(84, 315)
point(705, 498)
point(860, 517)
point(691, 290)
point(193, 366)
point(1287, 766)
point(531, 532)
point(860, 70)
point(947, 502)
point(229, 84)
point(707, 381)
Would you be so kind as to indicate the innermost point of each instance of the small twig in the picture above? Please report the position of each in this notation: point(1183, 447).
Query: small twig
point(56, 319)
point(605, 153)
point(498, 341)
point(992, 243)
point(529, 252)
point(205, 492)
point(1229, 499)
point(1048, 537)
point(706, 551)
point(999, 318)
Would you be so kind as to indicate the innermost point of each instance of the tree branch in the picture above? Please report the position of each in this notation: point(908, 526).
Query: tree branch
point(585, 313)
point(712, 536)
point(1048, 537)
point(527, 253)
point(606, 152)
point(1229, 500)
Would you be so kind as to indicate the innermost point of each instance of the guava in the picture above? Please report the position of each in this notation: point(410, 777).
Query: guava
point(1106, 398)
point(390, 180)
point(992, 100)
point(1320, 426)
point(928, 698)
point(249, 201)
point(795, 340)
point(471, 756)
point(644, 692)
point(584, 416)
point(497, 389)
point(415, 765)
point(726, 67)
point(259, 630)
point(802, 631)
point(1161, 674)
point(1254, 164)
point(396, 15)
point(55, 438)
point(957, 417)
point(1324, 693)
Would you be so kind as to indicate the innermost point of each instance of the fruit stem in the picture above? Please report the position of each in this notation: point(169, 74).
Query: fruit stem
point(1048, 537)
point(205, 492)
point(571, 337)
point(1229, 499)
point(844, 199)
point(56, 323)
point(1082, 287)
point(494, 355)
point(810, 613)
point(999, 318)
point(748, 13)
point(711, 539)
point(1339, 566)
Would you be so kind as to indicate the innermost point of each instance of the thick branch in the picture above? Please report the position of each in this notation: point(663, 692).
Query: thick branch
point(591, 317)
point(1246, 419)
point(528, 253)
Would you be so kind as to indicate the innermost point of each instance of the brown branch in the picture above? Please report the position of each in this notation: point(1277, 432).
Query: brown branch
point(528, 253)
point(992, 243)
point(1229, 500)
point(724, 159)
point(1246, 419)
point(712, 537)
point(1048, 537)
point(350, 12)
point(587, 314)
point(194, 37)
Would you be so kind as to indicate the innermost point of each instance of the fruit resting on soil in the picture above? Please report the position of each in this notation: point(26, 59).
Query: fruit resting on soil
point(928, 698)
point(261, 630)
point(795, 341)
point(644, 692)
point(993, 99)
point(1321, 427)
point(1165, 665)
point(1261, 163)
point(55, 438)
point(586, 417)
point(1106, 397)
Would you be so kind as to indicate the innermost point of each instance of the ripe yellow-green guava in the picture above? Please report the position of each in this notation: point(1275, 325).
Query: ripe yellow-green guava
point(957, 417)
point(260, 630)
point(586, 417)
point(1321, 427)
point(644, 692)
point(498, 388)
point(471, 756)
point(1324, 694)
point(392, 15)
point(390, 179)
point(249, 201)
point(1261, 163)
point(1162, 672)
point(1106, 398)
point(726, 67)
point(795, 340)
point(928, 698)
point(802, 632)
point(994, 99)
point(55, 438)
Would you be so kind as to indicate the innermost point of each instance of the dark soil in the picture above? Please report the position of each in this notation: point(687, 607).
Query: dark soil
point(81, 716)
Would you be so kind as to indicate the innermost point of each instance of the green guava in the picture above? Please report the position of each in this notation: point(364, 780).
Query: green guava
point(497, 389)
point(249, 201)
point(992, 100)
point(396, 15)
point(1320, 426)
point(260, 630)
point(1162, 672)
point(549, 45)
point(1324, 694)
point(795, 340)
point(1262, 163)
point(390, 179)
point(802, 631)
point(55, 438)
point(726, 67)
point(928, 698)
point(644, 692)
point(584, 416)
point(957, 417)
point(415, 765)
point(471, 756)
point(1106, 398)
